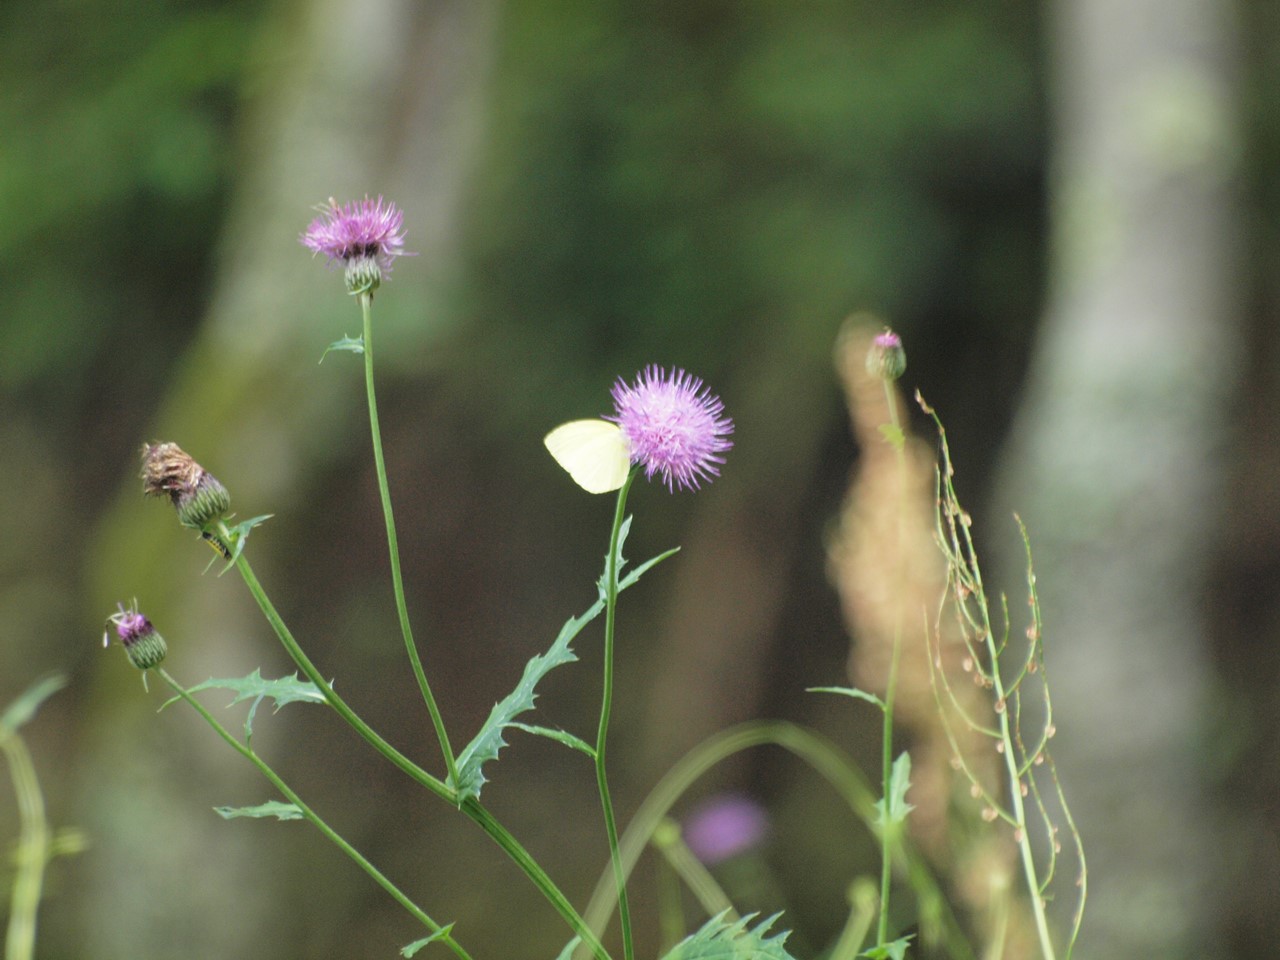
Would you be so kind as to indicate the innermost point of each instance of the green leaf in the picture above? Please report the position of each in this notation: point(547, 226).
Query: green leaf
point(239, 537)
point(560, 736)
point(893, 434)
point(850, 692)
point(254, 687)
point(411, 949)
point(569, 948)
point(899, 784)
point(28, 702)
point(889, 951)
point(486, 744)
point(272, 808)
point(349, 344)
point(720, 940)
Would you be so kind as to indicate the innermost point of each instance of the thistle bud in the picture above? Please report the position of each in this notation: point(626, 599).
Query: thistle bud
point(886, 360)
point(363, 275)
point(167, 470)
point(146, 648)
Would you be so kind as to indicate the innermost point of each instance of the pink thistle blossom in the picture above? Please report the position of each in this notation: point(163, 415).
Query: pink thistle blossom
point(674, 426)
point(365, 235)
point(725, 826)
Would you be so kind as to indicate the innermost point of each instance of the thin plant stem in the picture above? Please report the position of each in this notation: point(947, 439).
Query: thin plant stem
point(606, 708)
point(443, 934)
point(886, 751)
point(393, 544)
point(32, 852)
point(471, 807)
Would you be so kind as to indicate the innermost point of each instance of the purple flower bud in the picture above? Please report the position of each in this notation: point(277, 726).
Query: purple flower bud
point(145, 647)
point(886, 360)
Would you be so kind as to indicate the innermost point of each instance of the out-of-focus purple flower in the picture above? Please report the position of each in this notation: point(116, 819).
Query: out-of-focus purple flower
point(886, 360)
point(365, 235)
point(725, 826)
point(674, 426)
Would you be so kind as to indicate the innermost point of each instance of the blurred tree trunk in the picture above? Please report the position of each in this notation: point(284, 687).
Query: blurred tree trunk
point(370, 96)
point(1116, 459)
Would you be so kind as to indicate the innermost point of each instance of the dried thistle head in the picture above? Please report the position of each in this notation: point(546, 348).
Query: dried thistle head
point(168, 470)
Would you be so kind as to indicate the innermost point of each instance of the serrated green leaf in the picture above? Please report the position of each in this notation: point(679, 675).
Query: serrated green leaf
point(560, 736)
point(412, 948)
point(254, 687)
point(349, 344)
point(486, 744)
point(889, 951)
point(28, 702)
point(272, 808)
point(720, 940)
point(893, 434)
point(899, 784)
point(850, 692)
point(240, 536)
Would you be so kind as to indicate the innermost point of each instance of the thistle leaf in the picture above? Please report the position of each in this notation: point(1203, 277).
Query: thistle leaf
point(272, 808)
point(897, 950)
point(486, 744)
point(412, 948)
point(349, 344)
point(850, 692)
point(560, 736)
point(899, 784)
point(254, 687)
point(720, 940)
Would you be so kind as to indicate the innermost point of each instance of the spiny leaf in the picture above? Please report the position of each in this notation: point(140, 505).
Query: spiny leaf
point(720, 940)
point(349, 344)
point(272, 808)
point(411, 949)
point(899, 784)
point(889, 951)
point(486, 744)
point(253, 687)
point(28, 702)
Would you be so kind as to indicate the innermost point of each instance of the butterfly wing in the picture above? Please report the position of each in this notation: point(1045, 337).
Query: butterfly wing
point(594, 452)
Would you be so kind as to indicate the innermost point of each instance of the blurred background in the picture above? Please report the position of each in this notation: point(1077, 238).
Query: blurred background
point(1067, 209)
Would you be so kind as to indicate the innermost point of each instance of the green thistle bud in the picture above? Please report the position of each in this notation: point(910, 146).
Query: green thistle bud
point(145, 648)
point(167, 470)
point(363, 275)
point(886, 360)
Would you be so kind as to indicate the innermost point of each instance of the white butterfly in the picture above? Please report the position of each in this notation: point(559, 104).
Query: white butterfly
point(594, 452)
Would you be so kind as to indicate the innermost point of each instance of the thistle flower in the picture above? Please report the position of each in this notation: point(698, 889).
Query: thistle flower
point(725, 826)
point(145, 647)
point(886, 360)
point(674, 426)
point(366, 236)
point(168, 470)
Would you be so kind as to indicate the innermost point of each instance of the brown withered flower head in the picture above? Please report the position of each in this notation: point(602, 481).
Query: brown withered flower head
point(168, 470)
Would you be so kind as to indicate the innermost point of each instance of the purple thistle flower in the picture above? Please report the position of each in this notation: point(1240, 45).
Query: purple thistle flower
point(725, 826)
point(365, 235)
point(674, 426)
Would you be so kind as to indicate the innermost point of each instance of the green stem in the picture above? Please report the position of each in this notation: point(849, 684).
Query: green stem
point(606, 708)
point(886, 751)
point(393, 545)
point(472, 808)
point(32, 853)
point(333, 836)
point(1021, 834)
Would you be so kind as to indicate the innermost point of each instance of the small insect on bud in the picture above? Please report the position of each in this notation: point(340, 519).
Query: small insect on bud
point(886, 360)
point(146, 648)
point(201, 501)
